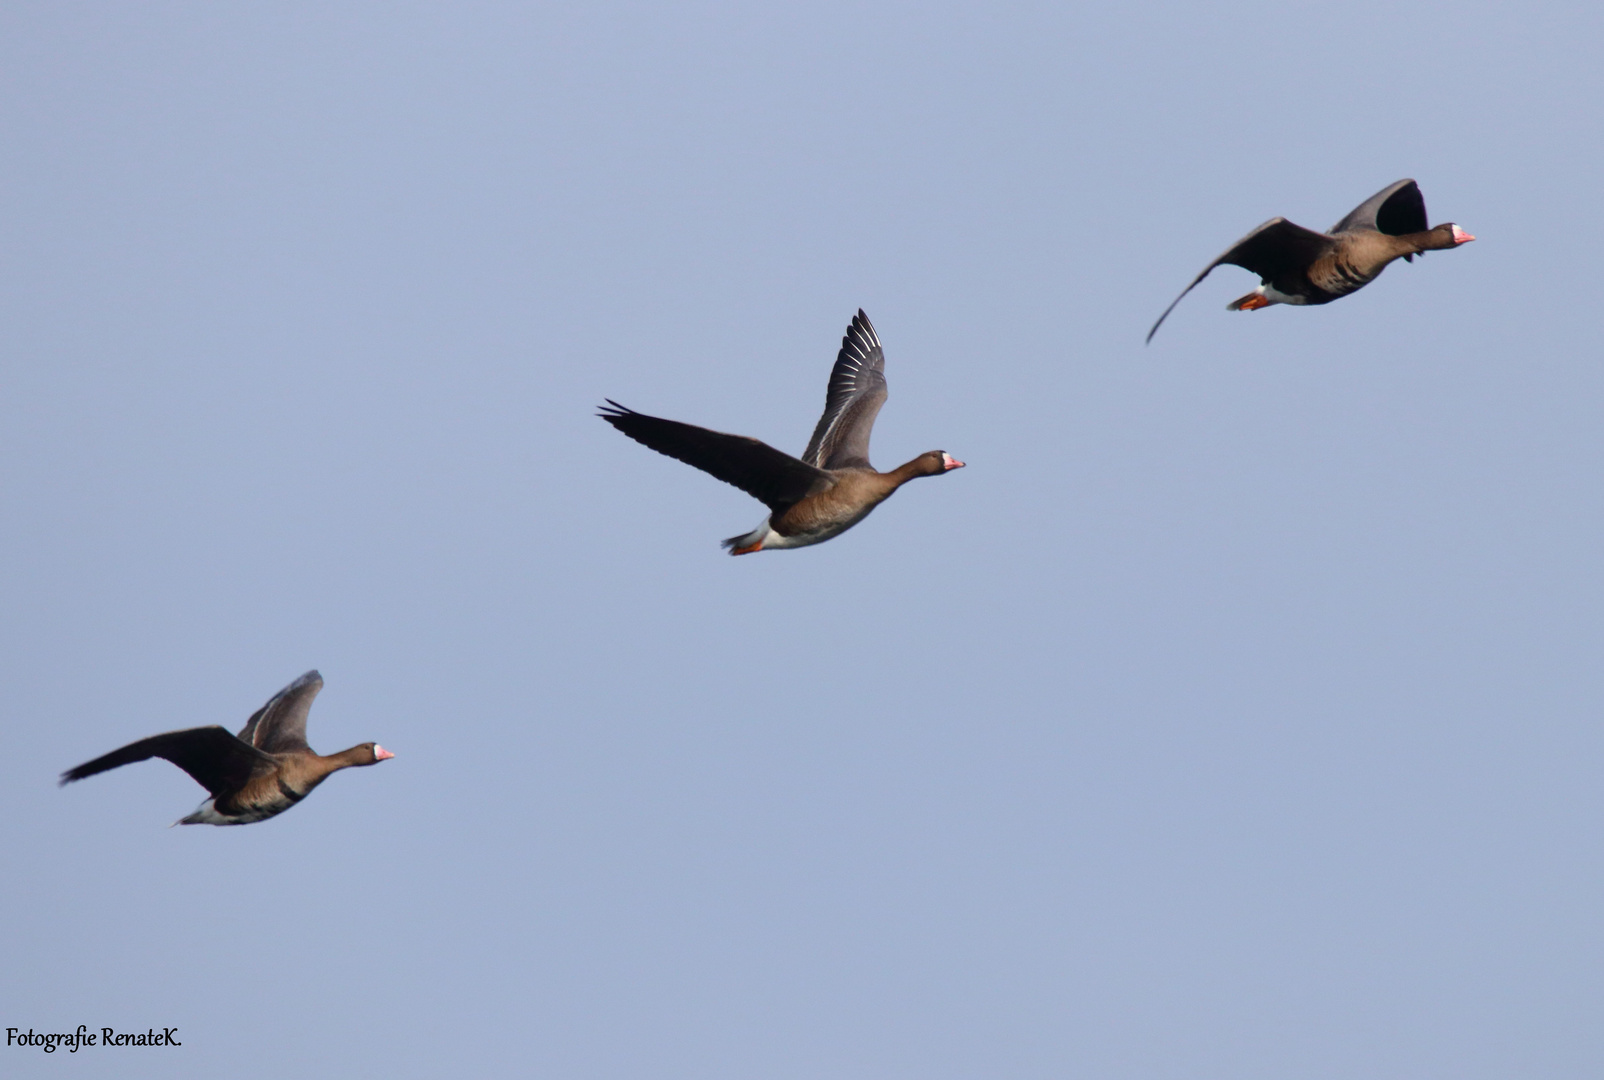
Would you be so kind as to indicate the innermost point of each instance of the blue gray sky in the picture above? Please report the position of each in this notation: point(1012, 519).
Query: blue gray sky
point(1235, 713)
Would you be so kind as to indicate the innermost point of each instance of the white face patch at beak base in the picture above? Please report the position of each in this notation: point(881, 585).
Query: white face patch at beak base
point(1460, 235)
point(949, 462)
point(380, 753)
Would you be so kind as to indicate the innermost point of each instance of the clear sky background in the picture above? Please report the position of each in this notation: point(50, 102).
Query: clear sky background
point(1236, 713)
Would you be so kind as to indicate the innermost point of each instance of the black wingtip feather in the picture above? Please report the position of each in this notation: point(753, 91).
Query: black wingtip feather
point(79, 772)
point(858, 342)
point(861, 328)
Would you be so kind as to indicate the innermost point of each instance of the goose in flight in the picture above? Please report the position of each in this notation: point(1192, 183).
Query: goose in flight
point(259, 773)
point(826, 491)
point(1299, 266)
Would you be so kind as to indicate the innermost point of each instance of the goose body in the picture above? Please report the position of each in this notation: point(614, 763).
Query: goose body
point(259, 773)
point(1300, 266)
point(826, 491)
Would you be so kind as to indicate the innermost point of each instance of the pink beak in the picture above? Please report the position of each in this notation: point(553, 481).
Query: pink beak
point(1461, 236)
point(951, 462)
point(380, 753)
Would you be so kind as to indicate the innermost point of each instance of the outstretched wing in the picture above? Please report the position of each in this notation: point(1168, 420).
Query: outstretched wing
point(1274, 248)
point(774, 478)
point(1395, 210)
point(216, 759)
point(856, 392)
point(280, 725)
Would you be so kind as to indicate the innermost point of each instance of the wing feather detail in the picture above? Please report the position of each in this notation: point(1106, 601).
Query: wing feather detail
point(217, 760)
point(771, 476)
point(1277, 247)
point(856, 391)
point(280, 725)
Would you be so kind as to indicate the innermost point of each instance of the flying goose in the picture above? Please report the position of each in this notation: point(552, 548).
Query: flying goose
point(1300, 266)
point(263, 771)
point(831, 487)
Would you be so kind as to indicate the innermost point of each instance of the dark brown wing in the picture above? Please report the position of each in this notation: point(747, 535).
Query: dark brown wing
point(1274, 248)
point(856, 392)
point(773, 478)
point(280, 725)
point(1396, 210)
point(218, 761)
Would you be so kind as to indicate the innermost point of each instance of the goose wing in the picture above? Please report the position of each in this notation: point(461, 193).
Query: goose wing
point(1395, 210)
point(852, 401)
point(1274, 248)
point(280, 725)
point(217, 760)
point(772, 477)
